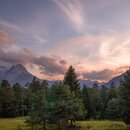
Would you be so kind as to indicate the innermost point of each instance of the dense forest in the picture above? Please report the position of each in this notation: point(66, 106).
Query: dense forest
point(65, 102)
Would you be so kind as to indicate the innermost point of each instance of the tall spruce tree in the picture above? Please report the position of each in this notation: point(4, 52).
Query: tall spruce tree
point(34, 104)
point(63, 106)
point(96, 101)
point(125, 94)
point(112, 91)
point(113, 110)
point(72, 81)
point(37, 101)
point(7, 107)
point(43, 94)
point(104, 96)
point(87, 103)
point(19, 95)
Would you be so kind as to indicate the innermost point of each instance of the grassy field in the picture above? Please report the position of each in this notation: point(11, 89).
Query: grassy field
point(17, 123)
point(12, 123)
point(102, 125)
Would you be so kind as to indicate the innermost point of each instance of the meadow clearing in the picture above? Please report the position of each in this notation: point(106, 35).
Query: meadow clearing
point(19, 124)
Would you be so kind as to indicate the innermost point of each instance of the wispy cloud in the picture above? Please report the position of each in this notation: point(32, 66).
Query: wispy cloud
point(95, 5)
point(74, 11)
point(32, 35)
point(5, 38)
point(8, 25)
point(40, 39)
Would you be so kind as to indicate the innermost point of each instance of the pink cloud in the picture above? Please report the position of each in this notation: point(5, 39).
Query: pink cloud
point(6, 38)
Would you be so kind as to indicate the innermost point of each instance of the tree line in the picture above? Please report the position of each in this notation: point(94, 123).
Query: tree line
point(65, 102)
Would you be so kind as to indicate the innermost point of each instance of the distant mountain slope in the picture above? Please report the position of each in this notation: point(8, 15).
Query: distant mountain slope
point(115, 80)
point(2, 72)
point(17, 73)
point(89, 83)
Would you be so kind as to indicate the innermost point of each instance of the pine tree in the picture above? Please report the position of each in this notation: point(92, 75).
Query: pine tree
point(125, 94)
point(72, 81)
point(5, 84)
point(104, 96)
point(87, 103)
point(97, 102)
point(19, 94)
point(43, 94)
point(7, 107)
point(34, 104)
point(63, 106)
point(37, 101)
point(113, 110)
point(112, 91)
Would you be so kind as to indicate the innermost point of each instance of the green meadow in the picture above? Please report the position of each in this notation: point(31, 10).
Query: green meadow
point(102, 125)
point(12, 123)
point(18, 124)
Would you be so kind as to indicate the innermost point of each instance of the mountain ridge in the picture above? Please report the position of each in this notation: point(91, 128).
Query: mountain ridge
point(116, 80)
point(18, 73)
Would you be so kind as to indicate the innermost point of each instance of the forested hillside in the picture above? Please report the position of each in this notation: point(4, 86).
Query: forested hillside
point(65, 102)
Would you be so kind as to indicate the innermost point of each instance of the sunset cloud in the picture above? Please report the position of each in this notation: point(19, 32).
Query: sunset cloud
point(5, 38)
point(23, 56)
point(50, 65)
point(105, 74)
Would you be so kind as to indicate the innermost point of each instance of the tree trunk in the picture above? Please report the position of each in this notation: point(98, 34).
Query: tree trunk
point(71, 123)
point(44, 124)
point(32, 126)
point(66, 122)
point(59, 125)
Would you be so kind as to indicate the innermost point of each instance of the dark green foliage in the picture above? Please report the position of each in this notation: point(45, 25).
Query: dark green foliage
point(20, 100)
point(5, 84)
point(113, 111)
point(87, 103)
point(43, 103)
point(72, 81)
point(37, 103)
point(63, 105)
point(13, 100)
point(95, 86)
point(96, 102)
point(125, 94)
point(7, 106)
point(104, 96)
point(112, 93)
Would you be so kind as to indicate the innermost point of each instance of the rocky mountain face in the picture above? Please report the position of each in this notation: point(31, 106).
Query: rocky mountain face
point(89, 83)
point(115, 80)
point(18, 73)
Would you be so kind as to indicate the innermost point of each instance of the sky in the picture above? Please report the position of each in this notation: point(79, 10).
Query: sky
point(47, 36)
